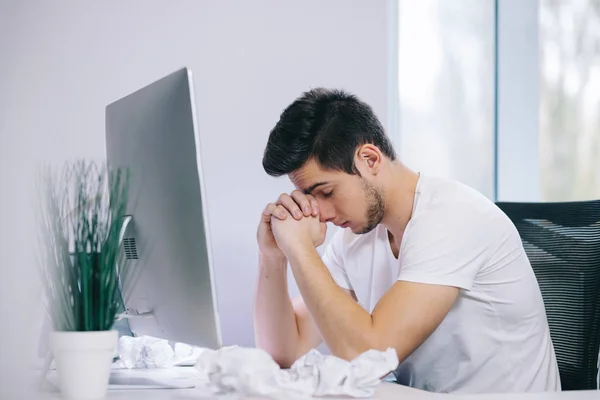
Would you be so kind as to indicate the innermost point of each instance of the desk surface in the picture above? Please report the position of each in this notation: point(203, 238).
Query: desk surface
point(386, 391)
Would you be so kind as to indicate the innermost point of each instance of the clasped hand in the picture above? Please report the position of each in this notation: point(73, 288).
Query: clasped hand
point(294, 222)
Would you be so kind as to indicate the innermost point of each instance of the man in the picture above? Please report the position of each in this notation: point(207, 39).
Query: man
point(422, 264)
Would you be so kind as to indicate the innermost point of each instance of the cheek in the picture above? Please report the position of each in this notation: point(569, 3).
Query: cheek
point(351, 205)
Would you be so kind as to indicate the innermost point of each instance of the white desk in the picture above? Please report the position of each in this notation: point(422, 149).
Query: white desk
point(386, 391)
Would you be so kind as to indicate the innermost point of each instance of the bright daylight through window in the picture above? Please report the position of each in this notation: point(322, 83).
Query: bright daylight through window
point(446, 89)
point(570, 99)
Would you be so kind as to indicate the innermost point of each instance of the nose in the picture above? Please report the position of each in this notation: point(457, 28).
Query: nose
point(326, 211)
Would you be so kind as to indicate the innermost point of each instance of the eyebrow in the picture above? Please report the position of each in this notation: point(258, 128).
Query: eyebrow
point(313, 187)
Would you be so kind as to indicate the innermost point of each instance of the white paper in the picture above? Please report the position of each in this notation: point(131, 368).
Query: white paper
point(144, 352)
point(150, 352)
point(252, 372)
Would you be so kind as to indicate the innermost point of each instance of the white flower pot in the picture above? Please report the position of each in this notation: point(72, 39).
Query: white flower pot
point(83, 362)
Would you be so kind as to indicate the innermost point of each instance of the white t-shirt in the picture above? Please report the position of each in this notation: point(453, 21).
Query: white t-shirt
point(495, 337)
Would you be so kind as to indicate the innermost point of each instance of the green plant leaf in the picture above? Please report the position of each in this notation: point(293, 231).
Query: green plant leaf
point(81, 258)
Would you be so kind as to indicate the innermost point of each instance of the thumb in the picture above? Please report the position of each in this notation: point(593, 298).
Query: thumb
point(323, 228)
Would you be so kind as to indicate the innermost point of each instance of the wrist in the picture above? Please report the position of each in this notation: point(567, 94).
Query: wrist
point(301, 250)
point(272, 260)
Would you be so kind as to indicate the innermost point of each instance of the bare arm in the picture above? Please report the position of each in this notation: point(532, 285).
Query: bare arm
point(277, 326)
point(403, 318)
point(283, 327)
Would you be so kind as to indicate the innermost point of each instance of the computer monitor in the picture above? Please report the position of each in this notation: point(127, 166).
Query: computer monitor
point(153, 134)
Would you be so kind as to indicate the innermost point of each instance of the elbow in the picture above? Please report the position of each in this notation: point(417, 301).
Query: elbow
point(282, 361)
point(282, 358)
point(347, 354)
point(350, 352)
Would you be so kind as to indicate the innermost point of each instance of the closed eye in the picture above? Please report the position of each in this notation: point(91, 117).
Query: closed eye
point(328, 194)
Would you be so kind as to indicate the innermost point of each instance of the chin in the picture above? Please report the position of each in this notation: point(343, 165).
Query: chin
point(357, 231)
point(364, 229)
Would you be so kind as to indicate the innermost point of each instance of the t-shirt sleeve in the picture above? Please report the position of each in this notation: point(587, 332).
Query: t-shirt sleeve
point(445, 246)
point(333, 259)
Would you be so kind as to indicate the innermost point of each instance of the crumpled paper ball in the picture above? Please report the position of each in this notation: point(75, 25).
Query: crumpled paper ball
point(150, 352)
point(144, 352)
point(252, 372)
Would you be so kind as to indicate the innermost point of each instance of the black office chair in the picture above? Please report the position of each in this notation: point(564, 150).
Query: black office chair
point(562, 241)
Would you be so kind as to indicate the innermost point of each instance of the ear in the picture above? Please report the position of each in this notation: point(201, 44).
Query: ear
point(368, 159)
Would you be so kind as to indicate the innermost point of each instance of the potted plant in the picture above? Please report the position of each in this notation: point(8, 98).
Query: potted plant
point(84, 271)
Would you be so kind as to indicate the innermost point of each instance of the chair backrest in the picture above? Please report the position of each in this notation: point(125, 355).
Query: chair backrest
point(562, 241)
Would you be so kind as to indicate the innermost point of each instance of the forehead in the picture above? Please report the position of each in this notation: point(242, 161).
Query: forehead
point(311, 174)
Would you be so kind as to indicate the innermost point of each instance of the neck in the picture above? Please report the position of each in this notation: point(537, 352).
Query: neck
point(399, 199)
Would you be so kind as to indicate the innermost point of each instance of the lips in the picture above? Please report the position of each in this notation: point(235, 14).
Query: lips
point(345, 224)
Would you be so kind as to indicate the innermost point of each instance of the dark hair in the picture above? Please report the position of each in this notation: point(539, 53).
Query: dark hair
point(327, 125)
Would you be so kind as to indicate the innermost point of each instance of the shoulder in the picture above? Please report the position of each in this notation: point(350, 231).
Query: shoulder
point(454, 233)
point(435, 191)
point(450, 198)
point(449, 206)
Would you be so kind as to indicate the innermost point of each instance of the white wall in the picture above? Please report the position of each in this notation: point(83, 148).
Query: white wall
point(62, 62)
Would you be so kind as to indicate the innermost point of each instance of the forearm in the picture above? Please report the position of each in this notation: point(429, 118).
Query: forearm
point(345, 326)
point(275, 326)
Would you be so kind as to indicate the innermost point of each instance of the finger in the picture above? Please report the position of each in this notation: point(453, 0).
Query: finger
point(281, 210)
point(274, 210)
point(302, 200)
point(286, 201)
point(314, 205)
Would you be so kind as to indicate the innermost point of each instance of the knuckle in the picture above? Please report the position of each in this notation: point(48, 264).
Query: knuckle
point(298, 195)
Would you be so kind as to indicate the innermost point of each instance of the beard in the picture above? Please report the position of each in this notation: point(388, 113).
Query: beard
point(375, 207)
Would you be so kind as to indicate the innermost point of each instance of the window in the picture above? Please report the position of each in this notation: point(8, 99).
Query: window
point(569, 99)
point(446, 89)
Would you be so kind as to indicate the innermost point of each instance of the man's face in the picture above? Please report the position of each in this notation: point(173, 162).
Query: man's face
point(348, 201)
